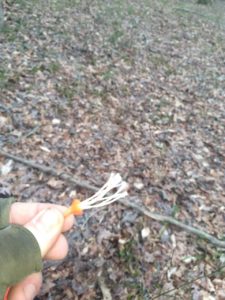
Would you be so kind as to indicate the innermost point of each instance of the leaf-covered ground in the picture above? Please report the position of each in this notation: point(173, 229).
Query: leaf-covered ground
point(135, 87)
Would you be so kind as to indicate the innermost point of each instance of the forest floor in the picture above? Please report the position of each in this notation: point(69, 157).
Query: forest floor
point(135, 87)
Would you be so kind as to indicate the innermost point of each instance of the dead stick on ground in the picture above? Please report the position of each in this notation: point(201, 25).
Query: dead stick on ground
point(49, 170)
point(165, 219)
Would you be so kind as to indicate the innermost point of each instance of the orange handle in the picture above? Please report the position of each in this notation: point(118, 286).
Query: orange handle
point(74, 209)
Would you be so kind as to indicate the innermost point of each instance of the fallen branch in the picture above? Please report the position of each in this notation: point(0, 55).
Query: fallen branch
point(166, 219)
point(155, 216)
point(49, 170)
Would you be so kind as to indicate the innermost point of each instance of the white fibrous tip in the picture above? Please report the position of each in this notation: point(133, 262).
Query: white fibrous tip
point(101, 199)
point(114, 180)
point(123, 187)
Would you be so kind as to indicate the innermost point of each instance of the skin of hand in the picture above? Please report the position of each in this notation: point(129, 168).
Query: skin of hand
point(47, 223)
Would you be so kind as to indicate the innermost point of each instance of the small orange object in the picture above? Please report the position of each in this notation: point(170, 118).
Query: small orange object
point(74, 209)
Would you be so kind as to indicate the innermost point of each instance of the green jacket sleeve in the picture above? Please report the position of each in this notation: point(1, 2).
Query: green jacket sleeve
point(20, 254)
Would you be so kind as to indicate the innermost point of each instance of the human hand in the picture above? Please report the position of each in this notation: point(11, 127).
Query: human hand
point(46, 222)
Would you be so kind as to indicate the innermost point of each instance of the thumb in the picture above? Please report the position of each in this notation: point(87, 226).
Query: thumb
point(46, 228)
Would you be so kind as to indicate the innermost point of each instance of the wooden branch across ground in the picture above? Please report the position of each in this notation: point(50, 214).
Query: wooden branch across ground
point(155, 216)
point(50, 171)
point(170, 220)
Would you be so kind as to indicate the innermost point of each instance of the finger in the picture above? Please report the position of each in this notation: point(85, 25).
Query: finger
point(46, 227)
point(59, 249)
point(26, 289)
point(22, 213)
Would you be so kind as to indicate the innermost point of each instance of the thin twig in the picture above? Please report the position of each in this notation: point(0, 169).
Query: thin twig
point(25, 136)
point(31, 132)
point(49, 170)
point(158, 217)
point(166, 219)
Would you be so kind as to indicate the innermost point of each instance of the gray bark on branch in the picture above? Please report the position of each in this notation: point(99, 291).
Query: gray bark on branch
point(49, 170)
point(155, 216)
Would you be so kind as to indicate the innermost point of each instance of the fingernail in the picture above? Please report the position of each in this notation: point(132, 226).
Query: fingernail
point(50, 218)
point(30, 291)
